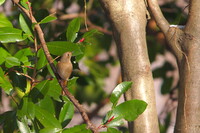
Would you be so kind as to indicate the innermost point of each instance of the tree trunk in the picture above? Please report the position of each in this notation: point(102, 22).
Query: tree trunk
point(188, 114)
point(128, 20)
point(185, 43)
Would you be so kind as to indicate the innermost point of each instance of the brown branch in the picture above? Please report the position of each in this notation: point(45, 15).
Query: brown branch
point(158, 16)
point(90, 24)
point(50, 61)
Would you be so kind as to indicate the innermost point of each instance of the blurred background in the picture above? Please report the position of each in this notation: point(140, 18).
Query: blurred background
point(99, 70)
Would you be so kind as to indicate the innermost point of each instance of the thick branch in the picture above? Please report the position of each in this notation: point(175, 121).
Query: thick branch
point(50, 61)
point(158, 16)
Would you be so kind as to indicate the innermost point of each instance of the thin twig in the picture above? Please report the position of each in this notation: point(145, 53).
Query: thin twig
point(85, 15)
point(50, 61)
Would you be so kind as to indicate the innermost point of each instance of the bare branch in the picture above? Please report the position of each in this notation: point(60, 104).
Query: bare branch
point(158, 16)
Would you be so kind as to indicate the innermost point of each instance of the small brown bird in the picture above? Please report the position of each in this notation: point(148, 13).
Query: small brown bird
point(64, 67)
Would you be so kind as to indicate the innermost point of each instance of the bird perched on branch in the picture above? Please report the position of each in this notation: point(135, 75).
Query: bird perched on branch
point(64, 67)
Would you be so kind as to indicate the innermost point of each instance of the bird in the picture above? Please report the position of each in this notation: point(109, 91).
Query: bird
point(65, 67)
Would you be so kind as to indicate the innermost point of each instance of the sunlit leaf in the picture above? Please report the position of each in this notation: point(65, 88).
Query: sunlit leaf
point(24, 4)
point(9, 34)
point(48, 19)
point(5, 84)
point(72, 29)
point(4, 22)
point(118, 91)
point(25, 27)
point(4, 55)
point(11, 62)
point(77, 129)
point(129, 110)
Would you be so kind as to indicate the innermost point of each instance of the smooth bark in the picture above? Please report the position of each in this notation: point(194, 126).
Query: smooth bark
point(128, 20)
point(185, 43)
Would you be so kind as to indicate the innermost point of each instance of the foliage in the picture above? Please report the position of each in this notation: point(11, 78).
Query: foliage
point(26, 76)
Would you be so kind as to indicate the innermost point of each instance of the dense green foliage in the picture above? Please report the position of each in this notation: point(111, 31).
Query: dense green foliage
point(27, 78)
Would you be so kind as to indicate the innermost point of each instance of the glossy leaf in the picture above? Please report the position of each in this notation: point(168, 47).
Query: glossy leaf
point(72, 29)
point(129, 110)
point(60, 47)
point(118, 91)
point(11, 62)
point(5, 83)
point(77, 129)
point(4, 22)
point(118, 121)
point(90, 33)
point(25, 27)
point(8, 35)
point(112, 130)
point(4, 54)
point(46, 118)
point(48, 19)
point(66, 113)
point(24, 4)
point(50, 130)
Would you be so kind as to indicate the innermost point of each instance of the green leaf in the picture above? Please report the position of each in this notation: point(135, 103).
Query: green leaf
point(2, 1)
point(25, 26)
point(77, 129)
point(5, 84)
point(71, 82)
point(23, 56)
point(118, 91)
point(72, 29)
point(46, 118)
point(60, 47)
point(11, 62)
point(4, 54)
point(54, 90)
point(50, 130)
point(48, 19)
point(66, 113)
point(4, 22)
point(40, 90)
point(112, 130)
point(8, 35)
point(47, 101)
point(90, 33)
point(129, 110)
point(116, 122)
point(42, 61)
point(24, 4)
